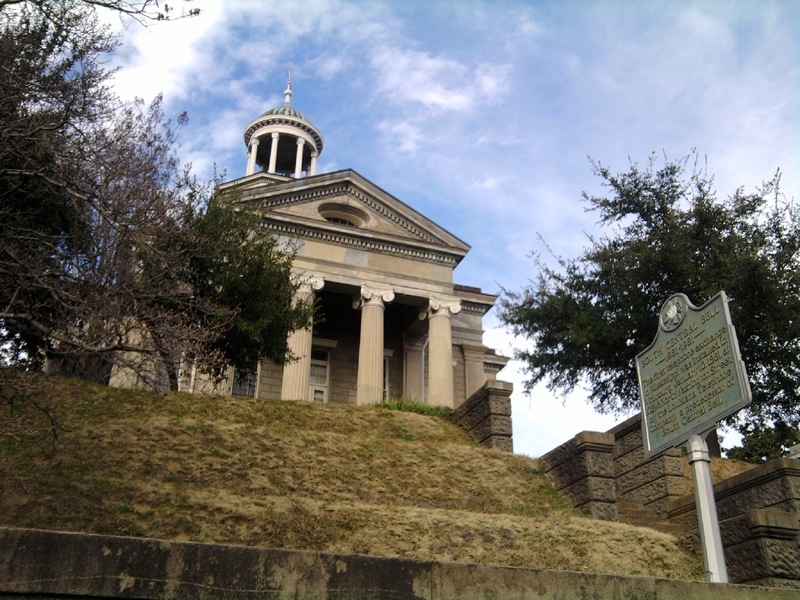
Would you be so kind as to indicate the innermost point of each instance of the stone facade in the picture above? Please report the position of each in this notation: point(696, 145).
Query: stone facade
point(606, 475)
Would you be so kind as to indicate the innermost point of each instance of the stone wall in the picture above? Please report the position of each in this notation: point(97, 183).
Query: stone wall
point(270, 380)
point(606, 476)
point(52, 565)
point(759, 522)
point(648, 483)
point(486, 415)
point(582, 470)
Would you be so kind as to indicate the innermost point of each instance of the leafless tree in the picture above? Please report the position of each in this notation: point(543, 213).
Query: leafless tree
point(142, 10)
point(104, 245)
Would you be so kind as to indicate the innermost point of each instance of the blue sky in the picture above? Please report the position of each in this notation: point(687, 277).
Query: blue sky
point(483, 115)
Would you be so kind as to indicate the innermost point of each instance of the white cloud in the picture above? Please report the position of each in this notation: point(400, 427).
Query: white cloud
point(408, 76)
point(165, 57)
point(327, 67)
point(402, 136)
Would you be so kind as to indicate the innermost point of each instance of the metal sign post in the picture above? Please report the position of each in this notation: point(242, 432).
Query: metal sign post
point(707, 519)
point(691, 377)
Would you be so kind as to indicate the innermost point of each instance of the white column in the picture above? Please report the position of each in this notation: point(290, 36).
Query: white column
point(298, 162)
point(251, 157)
point(312, 170)
point(369, 384)
point(440, 351)
point(273, 152)
point(297, 373)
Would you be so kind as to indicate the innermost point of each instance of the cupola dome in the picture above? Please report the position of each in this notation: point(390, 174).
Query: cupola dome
point(282, 141)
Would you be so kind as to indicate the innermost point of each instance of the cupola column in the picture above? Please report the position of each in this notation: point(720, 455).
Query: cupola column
point(371, 302)
point(251, 157)
point(297, 373)
point(273, 152)
point(312, 170)
point(440, 351)
point(298, 163)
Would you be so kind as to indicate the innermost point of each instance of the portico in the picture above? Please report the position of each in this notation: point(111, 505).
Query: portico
point(401, 340)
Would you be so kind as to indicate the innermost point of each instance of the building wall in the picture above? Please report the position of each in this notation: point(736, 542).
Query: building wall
point(344, 368)
point(270, 380)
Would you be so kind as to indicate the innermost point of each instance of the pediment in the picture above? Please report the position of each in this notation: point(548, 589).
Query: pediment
point(346, 207)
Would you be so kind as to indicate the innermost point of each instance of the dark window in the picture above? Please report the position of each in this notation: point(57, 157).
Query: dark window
point(340, 221)
point(244, 382)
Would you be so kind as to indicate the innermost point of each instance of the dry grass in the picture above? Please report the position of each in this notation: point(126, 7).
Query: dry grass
point(721, 469)
point(300, 475)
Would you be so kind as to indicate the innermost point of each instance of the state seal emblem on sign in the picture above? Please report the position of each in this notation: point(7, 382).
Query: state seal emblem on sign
point(672, 312)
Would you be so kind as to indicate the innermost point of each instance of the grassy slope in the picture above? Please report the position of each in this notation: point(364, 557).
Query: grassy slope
point(301, 475)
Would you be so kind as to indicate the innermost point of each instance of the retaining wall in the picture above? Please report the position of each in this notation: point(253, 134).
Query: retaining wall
point(759, 514)
point(51, 565)
point(486, 415)
point(606, 475)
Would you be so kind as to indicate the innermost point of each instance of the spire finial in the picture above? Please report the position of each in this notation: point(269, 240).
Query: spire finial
point(287, 94)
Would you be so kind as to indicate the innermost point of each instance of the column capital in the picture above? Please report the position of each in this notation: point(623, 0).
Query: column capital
point(372, 296)
point(309, 285)
point(301, 141)
point(440, 307)
point(275, 135)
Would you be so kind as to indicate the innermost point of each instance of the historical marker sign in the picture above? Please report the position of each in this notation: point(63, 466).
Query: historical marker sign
point(692, 375)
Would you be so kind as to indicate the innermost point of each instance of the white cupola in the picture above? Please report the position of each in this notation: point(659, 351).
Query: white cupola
point(282, 141)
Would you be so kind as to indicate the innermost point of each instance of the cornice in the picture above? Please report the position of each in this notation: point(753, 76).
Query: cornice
point(427, 255)
point(475, 307)
point(283, 120)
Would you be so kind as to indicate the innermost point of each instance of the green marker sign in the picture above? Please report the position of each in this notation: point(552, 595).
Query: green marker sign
point(692, 375)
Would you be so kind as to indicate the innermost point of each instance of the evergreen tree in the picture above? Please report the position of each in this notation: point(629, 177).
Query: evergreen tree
point(667, 232)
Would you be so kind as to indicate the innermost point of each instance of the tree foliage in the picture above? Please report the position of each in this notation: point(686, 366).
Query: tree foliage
point(240, 265)
point(765, 443)
point(667, 232)
point(108, 247)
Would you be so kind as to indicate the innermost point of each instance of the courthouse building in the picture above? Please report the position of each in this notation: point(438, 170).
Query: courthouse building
point(393, 324)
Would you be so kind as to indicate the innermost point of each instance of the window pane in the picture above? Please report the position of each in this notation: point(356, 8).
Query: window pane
point(319, 374)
